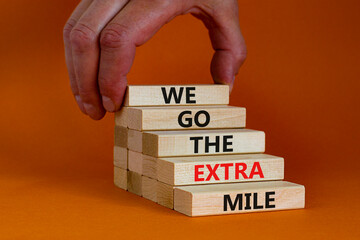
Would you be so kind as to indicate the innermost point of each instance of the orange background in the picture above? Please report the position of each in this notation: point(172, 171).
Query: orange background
point(300, 84)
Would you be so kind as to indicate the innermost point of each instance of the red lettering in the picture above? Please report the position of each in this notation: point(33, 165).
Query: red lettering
point(198, 172)
point(242, 170)
point(226, 166)
point(258, 172)
point(212, 172)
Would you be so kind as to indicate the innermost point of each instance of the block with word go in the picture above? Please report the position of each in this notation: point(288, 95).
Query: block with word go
point(169, 95)
point(215, 199)
point(202, 142)
point(185, 117)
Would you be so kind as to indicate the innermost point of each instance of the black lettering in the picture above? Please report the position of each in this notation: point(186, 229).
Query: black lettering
point(189, 95)
point(238, 201)
point(188, 120)
point(268, 199)
point(256, 206)
point(248, 198)
point(216, 144)
point(207, 118)
point(196, 143)
point(226, 143)
point(172, 92)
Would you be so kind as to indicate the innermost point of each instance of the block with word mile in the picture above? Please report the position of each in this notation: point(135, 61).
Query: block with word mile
point(167, 95)
point(202, 142)
point(238, 198)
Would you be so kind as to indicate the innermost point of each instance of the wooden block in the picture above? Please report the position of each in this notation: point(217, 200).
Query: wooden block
point(149, 188)
point(219, 169)
point(120, 157)
point(216, 199)
point(165, 195)
point(134, 183)
point(135, 162)
point(185, 117)
point(121, 136)
point(202, 142)
point(121, 117)
point(149, 167)
point(134, 140)
point(120, 178)
point(165, 95)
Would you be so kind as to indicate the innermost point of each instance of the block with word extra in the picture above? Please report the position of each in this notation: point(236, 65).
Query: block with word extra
point(213, 169)
point(202, 142)
point(184, 148)
point(230, 198)
point(183, 117)
point(169, 95)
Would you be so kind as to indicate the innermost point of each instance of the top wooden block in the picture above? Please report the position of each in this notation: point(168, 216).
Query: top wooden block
point(170, 95)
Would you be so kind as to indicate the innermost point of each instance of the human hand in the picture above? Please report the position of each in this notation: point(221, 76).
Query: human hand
point(101, 36)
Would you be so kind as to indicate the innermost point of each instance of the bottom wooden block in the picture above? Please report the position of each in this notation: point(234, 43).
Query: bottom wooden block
point(149, 188)
point(165, 194)
point(120, 178)
point(134, 183)
point(216, 199)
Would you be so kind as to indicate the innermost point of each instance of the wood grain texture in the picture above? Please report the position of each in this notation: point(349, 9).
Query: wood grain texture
point(149, 167)
point(149, 188)
point(185, 117)
point(120, 157)
point(216, 199)
point(226, 168)
point(120, 178)
point(121, 136)
point(135, 162)
point(134, 141)
point(179, 143)
point(121, 117)
point(165, 195)
point(152, 95)
point(134, 183)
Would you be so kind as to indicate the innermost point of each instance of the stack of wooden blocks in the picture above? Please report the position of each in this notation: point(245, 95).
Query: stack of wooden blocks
point(184, 148)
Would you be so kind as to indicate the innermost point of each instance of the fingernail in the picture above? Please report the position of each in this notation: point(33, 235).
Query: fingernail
point(108, 104)
point(80, 103)
point(90, 109)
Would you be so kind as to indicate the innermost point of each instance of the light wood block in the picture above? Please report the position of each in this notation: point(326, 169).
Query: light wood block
point(165, 195)
point(134, 140)
point(120, 157)
point(135, 161)
point(216, 199)
point(153, 95)
point(121, 136)
point(218, 169)
point(149, 188)
point(149, 167)
point(120, 178)
point(185, 117)
point(202, 142)
point(134, 183)
point(121, 117)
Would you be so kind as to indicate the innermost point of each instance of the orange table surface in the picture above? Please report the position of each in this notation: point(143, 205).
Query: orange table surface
point(300, 84)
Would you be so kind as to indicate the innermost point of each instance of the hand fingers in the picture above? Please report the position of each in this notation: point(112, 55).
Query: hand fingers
point(132, 27)
point(85, 52)
point(79, 10)
point(222, 20)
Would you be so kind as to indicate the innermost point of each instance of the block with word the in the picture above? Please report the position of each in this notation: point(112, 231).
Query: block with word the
point(202, 142)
